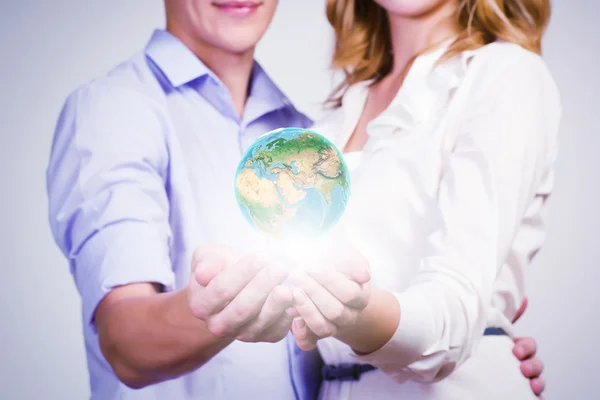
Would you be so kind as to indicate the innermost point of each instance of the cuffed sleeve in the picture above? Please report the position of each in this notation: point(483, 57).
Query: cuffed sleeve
point(503, 150)
point(106, 178)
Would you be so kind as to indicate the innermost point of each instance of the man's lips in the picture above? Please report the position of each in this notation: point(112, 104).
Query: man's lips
point(237, 8)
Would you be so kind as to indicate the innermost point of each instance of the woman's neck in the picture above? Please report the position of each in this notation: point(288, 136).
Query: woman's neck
point(412, 35)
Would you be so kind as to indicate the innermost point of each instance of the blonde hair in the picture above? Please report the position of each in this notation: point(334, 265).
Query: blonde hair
point(363, 48)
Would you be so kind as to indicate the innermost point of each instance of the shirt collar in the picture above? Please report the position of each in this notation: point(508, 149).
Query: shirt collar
point(181, 66)
point(263, 89)
point(425, 91)
point(176, 61)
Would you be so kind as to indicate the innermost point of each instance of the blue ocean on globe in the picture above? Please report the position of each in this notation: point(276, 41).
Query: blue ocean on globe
point(292, 182)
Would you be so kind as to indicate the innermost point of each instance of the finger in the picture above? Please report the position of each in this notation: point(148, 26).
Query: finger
point(207, 269)
point(249, 301)
point(231, 281)
point(521, 310)
point(329, 306)
point(197, 292)
point(292, 312)
point(276, 331)
point(209, 260)
point(272, 317)
point(346, 290)
point(532, 368)
point(538, 385)
point(351, 263)
point(524, 348)
point(312, 316)
point(305, 338)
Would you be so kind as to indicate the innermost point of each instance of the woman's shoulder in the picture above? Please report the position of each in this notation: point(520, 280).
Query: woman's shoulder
point(501, 59)
point(507, 67)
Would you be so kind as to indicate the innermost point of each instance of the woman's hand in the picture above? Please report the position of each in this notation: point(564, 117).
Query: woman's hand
point(329, 297)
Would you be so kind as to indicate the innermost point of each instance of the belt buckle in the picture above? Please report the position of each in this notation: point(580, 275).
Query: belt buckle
point(342, 372)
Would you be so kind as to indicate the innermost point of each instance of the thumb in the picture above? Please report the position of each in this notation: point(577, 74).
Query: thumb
point(209, 260)
point(305, 339)
point(521, 310)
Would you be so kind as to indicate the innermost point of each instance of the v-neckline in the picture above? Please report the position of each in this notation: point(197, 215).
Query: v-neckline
point(356, 98)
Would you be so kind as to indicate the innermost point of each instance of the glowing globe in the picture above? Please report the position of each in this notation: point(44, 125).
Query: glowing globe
point(292, 182)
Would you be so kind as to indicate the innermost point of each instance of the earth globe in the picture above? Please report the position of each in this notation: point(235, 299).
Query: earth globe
point(292, 183)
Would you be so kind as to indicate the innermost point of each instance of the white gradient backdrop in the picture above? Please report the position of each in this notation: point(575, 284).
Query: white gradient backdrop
point(47, 48)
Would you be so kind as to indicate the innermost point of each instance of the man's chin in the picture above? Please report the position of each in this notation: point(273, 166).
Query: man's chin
point(239, 47)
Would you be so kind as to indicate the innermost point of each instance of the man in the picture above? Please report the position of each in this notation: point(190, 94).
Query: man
point(140, 174)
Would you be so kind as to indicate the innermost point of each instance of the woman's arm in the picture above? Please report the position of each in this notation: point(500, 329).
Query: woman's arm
point(502, 153)
point(525, 349)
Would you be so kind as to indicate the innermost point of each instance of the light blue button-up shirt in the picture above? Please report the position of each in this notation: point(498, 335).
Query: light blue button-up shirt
point(141, 172)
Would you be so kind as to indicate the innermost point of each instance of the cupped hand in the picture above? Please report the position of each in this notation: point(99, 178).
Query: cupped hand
point(329, 297)
point(240, 297)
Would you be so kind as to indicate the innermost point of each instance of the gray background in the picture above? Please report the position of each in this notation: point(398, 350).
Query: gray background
point(47, 48)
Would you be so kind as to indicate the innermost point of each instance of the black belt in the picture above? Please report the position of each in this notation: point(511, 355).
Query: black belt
point(345, 372)
point(494, 332)
point(352, 372)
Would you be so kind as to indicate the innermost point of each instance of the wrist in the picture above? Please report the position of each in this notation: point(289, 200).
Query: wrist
point(191, 344)
point(375, 325)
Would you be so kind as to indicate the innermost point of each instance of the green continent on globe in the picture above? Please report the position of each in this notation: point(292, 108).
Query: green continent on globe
point(292, 181)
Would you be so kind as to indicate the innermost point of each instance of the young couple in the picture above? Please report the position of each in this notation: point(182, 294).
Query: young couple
point(448, 118)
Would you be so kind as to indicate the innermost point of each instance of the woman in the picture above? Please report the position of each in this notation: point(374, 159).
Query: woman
point(448, 118)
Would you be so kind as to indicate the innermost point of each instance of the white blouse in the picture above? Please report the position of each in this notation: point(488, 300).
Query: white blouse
point(447, 200)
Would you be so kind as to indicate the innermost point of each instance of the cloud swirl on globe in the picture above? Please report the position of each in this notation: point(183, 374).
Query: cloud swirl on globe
point(292, 183)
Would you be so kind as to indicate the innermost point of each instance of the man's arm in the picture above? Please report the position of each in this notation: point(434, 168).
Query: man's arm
point(148, 337)
point(109, 213)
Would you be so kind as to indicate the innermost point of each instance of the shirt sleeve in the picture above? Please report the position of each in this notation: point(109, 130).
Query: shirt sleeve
point(509, 286)
point(108, 206)
point(503, 149)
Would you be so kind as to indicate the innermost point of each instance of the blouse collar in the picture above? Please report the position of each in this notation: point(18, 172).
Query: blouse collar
point(424, 93)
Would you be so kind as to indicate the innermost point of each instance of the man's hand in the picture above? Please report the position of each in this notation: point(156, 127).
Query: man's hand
point(241, 298)
point(525, 350)
point(329, 297)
